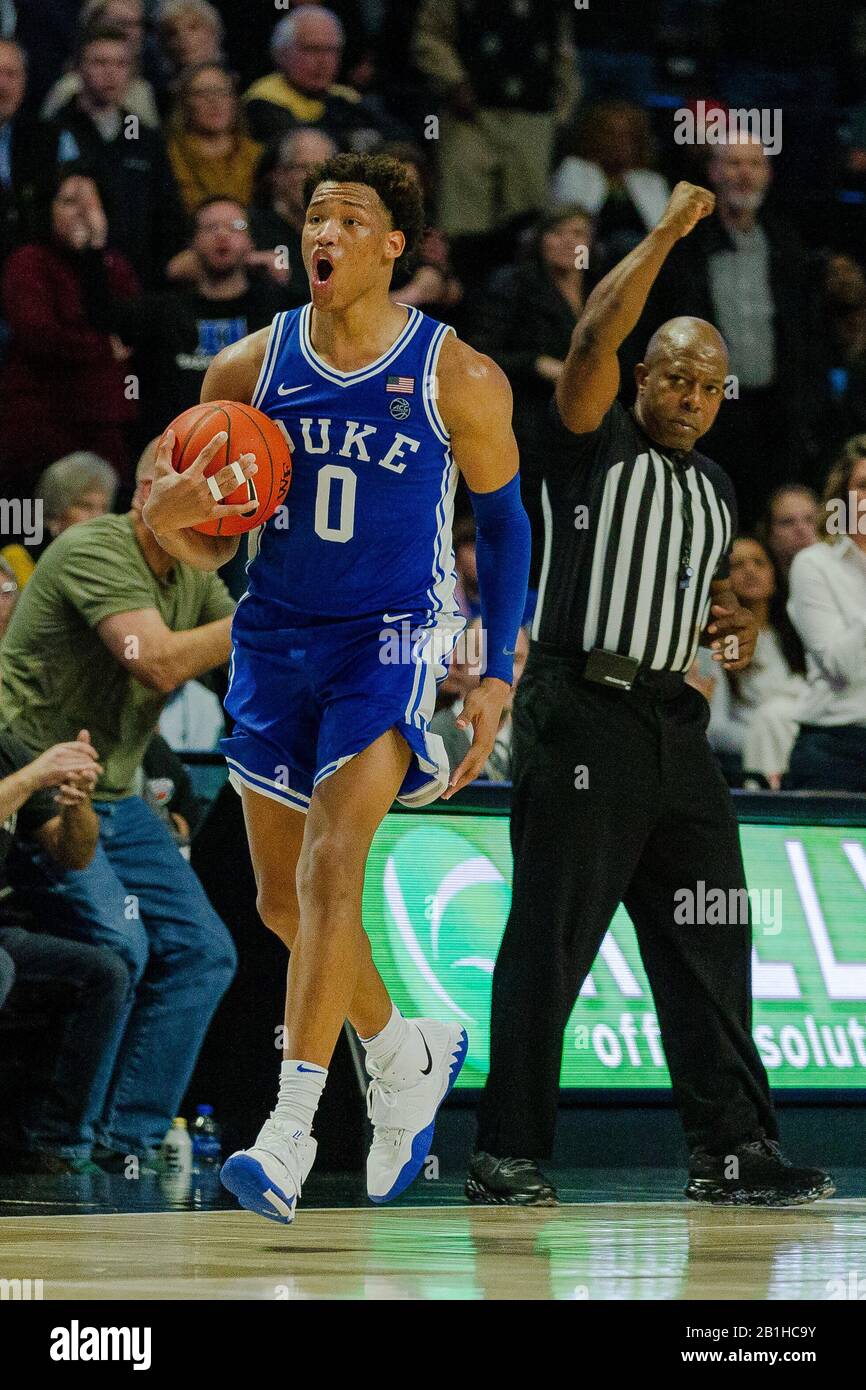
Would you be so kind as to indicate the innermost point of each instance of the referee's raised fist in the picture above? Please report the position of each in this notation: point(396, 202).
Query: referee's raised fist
point(688, 204)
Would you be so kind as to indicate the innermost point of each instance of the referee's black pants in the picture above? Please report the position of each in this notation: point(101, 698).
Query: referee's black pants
point(655, 817)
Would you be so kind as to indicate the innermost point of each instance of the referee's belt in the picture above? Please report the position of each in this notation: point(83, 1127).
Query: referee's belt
point(611, 670)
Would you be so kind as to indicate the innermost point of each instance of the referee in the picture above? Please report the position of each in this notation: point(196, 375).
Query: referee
point(616, 795)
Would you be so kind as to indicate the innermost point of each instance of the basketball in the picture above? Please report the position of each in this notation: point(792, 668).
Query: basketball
point(249, 432)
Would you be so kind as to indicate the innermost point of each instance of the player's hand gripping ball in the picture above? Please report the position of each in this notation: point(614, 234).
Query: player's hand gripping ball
point(249, 432)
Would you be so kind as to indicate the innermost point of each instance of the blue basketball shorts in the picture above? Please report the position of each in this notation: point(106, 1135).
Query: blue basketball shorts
point(305, 700)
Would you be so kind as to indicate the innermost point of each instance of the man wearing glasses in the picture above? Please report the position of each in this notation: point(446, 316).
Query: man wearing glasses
point(281, 221)
point(307, 48)
point(178, 335)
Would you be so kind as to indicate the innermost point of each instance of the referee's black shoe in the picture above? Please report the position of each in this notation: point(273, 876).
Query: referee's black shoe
point(754, 1175)
point(516, 1182)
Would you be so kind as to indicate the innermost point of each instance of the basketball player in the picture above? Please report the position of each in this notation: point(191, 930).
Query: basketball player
point(382, 405)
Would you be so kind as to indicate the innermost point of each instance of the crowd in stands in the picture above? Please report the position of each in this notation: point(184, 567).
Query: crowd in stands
point(153, 155)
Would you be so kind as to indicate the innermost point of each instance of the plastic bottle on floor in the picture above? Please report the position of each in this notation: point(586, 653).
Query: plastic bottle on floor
point(177, 1149)
point(206, 1138)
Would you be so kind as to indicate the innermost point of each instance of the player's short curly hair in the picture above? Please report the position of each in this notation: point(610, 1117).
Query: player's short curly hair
point(396, 184)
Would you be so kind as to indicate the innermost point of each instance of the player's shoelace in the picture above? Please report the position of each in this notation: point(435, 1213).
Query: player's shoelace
point(382, 1100)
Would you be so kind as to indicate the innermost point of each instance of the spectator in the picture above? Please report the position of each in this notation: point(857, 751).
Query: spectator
point(466, 592)
point(82, 989)
point(608, 171)
point(748, 273)
point(525, 322)
point(466, 667)
point(127, 159)
point(789, 524)
point(210, 152)
point(53, 340)
point(76, 488)
point(753, 713)
point(503, 75)
point(190, 33)
point(429, 283)
point(356, 62)
point(845, 289)
point(127, 17)
point(827, 605)
point(16, 163)
point(125, 624)
point(178, 334)
point(279, 212)
point(845, 310)
point(307, 48)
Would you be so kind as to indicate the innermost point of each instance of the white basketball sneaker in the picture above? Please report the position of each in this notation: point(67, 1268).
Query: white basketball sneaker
point(267, 1178)
point(403, 1111)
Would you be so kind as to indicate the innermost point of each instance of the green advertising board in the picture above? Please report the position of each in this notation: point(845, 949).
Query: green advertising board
point(436, 901)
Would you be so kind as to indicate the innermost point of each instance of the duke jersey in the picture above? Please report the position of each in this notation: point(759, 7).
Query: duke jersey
point(368, 524)
point(350, 612)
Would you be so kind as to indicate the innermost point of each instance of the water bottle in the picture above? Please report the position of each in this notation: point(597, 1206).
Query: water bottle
point(177, 1149)
point(206, 1138)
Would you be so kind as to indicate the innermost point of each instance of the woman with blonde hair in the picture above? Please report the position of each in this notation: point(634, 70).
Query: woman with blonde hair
point(827, 605)
point(208, 145)
point(189, 32)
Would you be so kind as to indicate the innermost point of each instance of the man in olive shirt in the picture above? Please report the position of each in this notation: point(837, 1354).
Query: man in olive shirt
point(107, 627)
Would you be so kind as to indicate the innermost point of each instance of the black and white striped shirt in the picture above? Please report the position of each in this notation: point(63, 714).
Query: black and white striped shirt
point(613, 518)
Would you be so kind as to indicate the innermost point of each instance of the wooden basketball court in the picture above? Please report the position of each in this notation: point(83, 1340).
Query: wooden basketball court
point(597, 1250)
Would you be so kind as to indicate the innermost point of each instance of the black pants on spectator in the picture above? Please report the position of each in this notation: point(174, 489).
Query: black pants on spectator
point(75, 995)
point(655, 818)
point(828, 758)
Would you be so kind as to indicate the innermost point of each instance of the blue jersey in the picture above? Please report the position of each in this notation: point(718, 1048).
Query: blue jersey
point(350, 617)
point(366, 527)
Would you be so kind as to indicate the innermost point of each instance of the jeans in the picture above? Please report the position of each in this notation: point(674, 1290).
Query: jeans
point(140, 897)
point(84, 992)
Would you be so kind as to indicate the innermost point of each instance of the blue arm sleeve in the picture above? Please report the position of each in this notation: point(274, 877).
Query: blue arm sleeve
point(502, 549)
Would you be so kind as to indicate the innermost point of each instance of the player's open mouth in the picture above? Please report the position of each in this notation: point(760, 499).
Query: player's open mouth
point(322, 270)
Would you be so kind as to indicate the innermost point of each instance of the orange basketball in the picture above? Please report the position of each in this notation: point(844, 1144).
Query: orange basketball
point(249, 432)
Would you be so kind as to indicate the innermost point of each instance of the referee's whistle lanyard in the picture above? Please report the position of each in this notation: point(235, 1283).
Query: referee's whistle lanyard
point(677, 461)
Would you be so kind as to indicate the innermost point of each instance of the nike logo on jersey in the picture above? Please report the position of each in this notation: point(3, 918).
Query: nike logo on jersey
point(394, 617)
point(290, 390)
point(425, 1071)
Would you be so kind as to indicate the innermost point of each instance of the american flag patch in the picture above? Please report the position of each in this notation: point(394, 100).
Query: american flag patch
point(400, 385)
